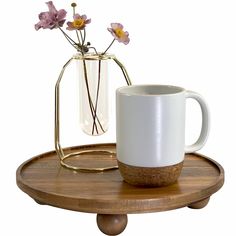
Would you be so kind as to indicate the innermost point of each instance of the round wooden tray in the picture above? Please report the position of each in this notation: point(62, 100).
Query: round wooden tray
point(105, 193)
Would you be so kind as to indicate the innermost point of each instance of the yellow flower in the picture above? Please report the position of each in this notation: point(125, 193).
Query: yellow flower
point(79, 22)
point(118, 33)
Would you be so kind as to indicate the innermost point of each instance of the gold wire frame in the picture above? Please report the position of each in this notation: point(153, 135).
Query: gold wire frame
point(59, 150)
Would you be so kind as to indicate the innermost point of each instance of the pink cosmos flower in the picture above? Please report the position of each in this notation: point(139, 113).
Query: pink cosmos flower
point(118, 33)
point(79, 22)
point(51, 19)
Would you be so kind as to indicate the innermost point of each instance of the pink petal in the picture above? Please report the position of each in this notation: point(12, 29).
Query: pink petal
point(112, 32)
point(126, 41)
point(88, 21)
point(126, 34)
point(84, 17)
point(61, 23)
point(51, 7)
point(43, 15)
point(70, 26)
point(116, 26)
point(76, 16)
point(61, 14)
point(37, 26)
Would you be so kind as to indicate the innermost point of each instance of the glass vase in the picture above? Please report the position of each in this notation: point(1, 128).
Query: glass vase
point(92, 72)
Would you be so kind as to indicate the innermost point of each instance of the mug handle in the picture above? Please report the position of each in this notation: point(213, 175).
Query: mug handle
point(205, 122)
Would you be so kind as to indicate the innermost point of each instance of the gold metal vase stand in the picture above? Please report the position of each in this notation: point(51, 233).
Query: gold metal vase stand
point(60, 153)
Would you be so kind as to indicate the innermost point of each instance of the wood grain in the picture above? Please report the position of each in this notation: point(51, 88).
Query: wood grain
point(43, 179)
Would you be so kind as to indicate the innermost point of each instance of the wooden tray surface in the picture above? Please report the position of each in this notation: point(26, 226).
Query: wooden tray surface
point(46, 181)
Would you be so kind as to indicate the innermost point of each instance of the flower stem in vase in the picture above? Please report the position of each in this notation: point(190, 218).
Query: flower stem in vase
point(89, 96)
point(92, 109)
point(97, 94)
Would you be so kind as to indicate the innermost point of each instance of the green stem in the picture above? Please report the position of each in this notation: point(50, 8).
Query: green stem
point(67, 36)
point(95, 50)
point(88, 92)
point(77, 34)
point(98, 87)
point(77, 46)
point(81, 37)
point(70, 40)
point(109, 46)
point(84, 36)
point(89, 98)
point(71, 43)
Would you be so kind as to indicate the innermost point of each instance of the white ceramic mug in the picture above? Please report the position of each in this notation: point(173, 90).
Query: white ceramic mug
point(150, 127)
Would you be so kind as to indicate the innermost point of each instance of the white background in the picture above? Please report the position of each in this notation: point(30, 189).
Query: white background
point(187, 43)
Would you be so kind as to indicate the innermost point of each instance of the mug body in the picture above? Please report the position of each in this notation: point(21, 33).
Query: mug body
point(150, 127)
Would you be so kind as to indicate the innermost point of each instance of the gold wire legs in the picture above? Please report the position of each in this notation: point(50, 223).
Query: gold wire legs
point(77, 168)
point(58, 147)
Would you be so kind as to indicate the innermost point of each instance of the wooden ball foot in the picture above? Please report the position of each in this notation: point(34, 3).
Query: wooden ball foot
point(200, 204)
point(111, 224)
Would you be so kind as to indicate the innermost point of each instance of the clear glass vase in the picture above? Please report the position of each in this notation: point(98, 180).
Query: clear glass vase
point(92, 73)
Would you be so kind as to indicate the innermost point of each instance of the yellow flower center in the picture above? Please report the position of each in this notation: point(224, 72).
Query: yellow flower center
point(78, 23)
point(119, 33)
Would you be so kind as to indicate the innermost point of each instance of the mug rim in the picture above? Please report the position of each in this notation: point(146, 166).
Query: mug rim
point(147, 90)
